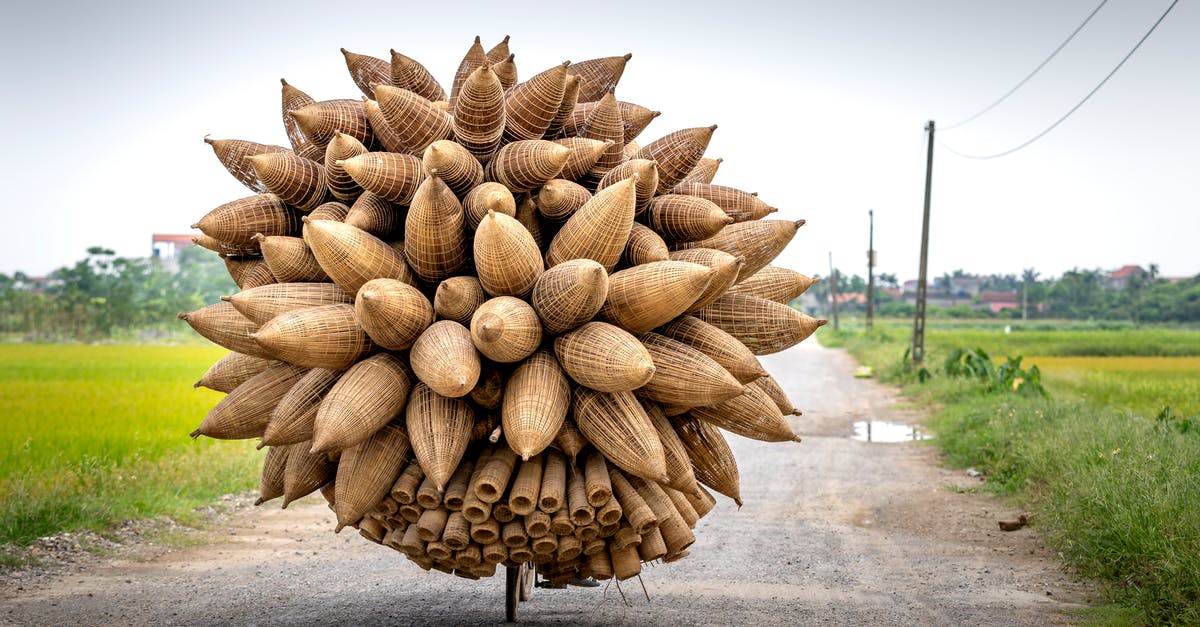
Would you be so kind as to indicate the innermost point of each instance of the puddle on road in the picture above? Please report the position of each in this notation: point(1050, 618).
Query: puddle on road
point(883, 431)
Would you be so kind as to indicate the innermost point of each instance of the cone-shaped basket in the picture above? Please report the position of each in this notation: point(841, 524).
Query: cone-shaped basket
point(458, 168)
point(234, 154)
point(764, 326)
point(604, 357)
point(475, 58)
point(485, 197)
point(233, 370)
point(739, 205)
point(722, 347)
point(570, 294)
point(260, 304)
point(479, 113)
point(598, 76)
point(559, 199)
point(434, 235)
point(644, 246)
point(751, 414)
point(366, 472)
point(289, 259)
point(411, 75)
point(774, 283)
point(414, 121)
point(676, 154)
point(367, 71)
point(598, 230)
point(536, 400)
point(292, 419)
point(439, 429)
point(603, 123)
point(647, 182)
point(375, 215)
point(321, 120)
point(685, 218)
point(457, 298)
point(680, 474)
point(618, 427)
point(328, 336)
point(585, 153)
point(712, 460)
point(725, 271)
point(445, 359)
point(244, 412)
point(507, 258)
point(685, 376)
point(758, 241)
point(297, 181)
point(236, 222)
point(773, 390)
point(393, 177)
point(506, 329)
point(703, 173)
point(526, 164)
point(351, 256)
point(531, 106)
point(270, 485)
point(646, 296)
point(393, 313)
point(224, 325)
point(305, 472)
point(293, 99)
point(369, 395)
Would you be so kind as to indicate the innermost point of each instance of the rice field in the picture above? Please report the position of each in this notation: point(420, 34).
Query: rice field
point(93, 435)
point(1138, 385)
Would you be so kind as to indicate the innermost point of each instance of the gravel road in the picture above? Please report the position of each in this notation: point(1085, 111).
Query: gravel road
point(834, 531)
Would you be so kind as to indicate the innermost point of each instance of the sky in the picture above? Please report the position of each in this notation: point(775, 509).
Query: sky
point(821, 108)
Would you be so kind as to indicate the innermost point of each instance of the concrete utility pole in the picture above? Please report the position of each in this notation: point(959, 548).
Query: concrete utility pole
point(833, 291)
point(918, 345)
point(871, 270)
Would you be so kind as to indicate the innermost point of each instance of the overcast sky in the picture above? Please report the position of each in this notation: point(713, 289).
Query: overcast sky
point(821, 108)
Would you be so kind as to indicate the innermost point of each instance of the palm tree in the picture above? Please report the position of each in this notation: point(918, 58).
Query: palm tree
point(1029, 275)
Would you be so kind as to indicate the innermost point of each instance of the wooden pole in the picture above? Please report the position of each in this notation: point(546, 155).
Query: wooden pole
point(833, 291)
point(871, 270)
point(918, 346)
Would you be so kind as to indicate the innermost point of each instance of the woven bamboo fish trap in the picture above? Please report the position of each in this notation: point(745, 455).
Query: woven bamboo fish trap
point(245, 411)
point(487, 394)
point(739, 205)
point(585, 153)
point(233, 370)
point(321, 120)
point(391, 176)
point(366, 472)
point(409, 74)
point(647, 179)
point(646, 296)
point(270, 484)
point(479, 113)
point(722, 347)
point(506, 329)
point(225, 326)
point(758, 241)
point(569, 294)
point(292, 419)
point(639, 515)
point(293, 99)
point(771, 387)
point(527, 485)
point(249, 273)
point(367, 71)
point(492, 482)
point(764, 326)
point(774, 283)
point(485, 197)
point(679, 465)
point(634, 118)
point(751, 414)
point(603, 123)
point(528, 217)
point(434, 235)
point(506, 72)
point(327, 336)
point(375, 215)
point(570, 440)
point(616, 424)
point(531, 106)
point(507, 259)
point(289, 259)
point(558, 199)
point(704, 172)
point(474, 59)
point(332, 210)
point(392, 313)
point(260, 304)
point(439, 429)
point(677, 154)
point(235, 223)
point(598, 76)
point(685, 218)
point(297, 181)
point(305, 473)
point(684, 375)
point(598, 230)
point(414, 121)
point(234, 154)
point(385, 136)
point(458, 168)
point(644, 246)
point(351, 256)
point(457, 298)
point(604, 357)
point(224, 249)
point(536, 401)
point(725, 268)
point(526, 164)
point(712, 460)
point(445, 359)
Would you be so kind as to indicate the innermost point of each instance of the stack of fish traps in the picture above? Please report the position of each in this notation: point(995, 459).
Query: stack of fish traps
point(488, 325)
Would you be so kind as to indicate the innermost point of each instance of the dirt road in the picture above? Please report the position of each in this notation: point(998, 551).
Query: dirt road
point(833, 531)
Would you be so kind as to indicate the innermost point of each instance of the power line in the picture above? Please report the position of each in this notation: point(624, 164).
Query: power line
point(1035, 70)
point(1079, 104)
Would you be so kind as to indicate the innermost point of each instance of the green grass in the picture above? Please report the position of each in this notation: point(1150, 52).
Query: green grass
point(95, 435)
point(1113, 488)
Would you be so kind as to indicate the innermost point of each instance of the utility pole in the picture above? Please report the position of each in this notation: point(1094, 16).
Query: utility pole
point(871, 270)
point(833, 290)
point(918, 347)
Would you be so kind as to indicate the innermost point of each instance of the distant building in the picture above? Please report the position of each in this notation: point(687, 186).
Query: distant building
point(165, 247)
point(999, 301)
point(1120, 277)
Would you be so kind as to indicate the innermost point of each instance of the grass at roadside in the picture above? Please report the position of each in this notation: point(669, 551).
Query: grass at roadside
point(95, 435)
point(1112, 482)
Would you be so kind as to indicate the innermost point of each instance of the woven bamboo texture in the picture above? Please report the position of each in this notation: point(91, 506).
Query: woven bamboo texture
point(641, 518)
point(604, 123)
point(764, 326)
point(385, 136)
point(233, 370)
point(739, 205)
point(492, 482)
point(270, 484)
point(369, 395)
point(445, 359)
point(340, 184)
point(375, 215)
point(712, 460)
point(365, 472)
point(598, 230)
point(726, 269)
point(630, 150)
point(415, 122)
point(685, 376)
point(528, 217)
point(260, 304)
point(702, 501)
point(597, 486)
point(490, 196)
point(582, 513)
point(367, 71)
point(457, 534)
point(292, 419)
point(458, 168)
point(751, 414)
point(570, 441)
point(553, 493)
point(598, 76)
point(644, 246)
point(227, 327)
point(391, 176)
point(486, 533)
point(225, 249)
point(297, 181)
point(618, 427)
point(428, 496)
point(506, 329)
point(646, 296)
point(569, 100)
point(717, 344)
point(257, 274)
point(685, 218)
point(351, 256)
point(506, 72)
point(558, 199)
point(536, 401)
point(234, 154)
point(457, 298)
point(405, 488)
point(647, 179)
point(652, 547)
point(332, 210)
point(439, 429)
point(604, 357)
point(585, 153)
point(507, 259)
point(771, 387)
point(634, 118)
point(236, 222)
point(245, 411)
point(487, 394)
point(289, 259)
point(411, 75)
point(704, 172)
point(474, 59)
point(479, 113)
point(460, 482)
point(321, 120)
point(679, 465)
point(759, 241)
point(674, 529)
point(238, 267)
point(434, 232)
point(531, 106)
point(431, 524)
point(527, 485)
point(328, 336)
point(305, 473)
point(677, 154)
point(524, 165)
point(293, 99)
point(774, 283)
point(393, 313)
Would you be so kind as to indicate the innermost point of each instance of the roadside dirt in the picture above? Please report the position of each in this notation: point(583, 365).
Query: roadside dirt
point(833, 530)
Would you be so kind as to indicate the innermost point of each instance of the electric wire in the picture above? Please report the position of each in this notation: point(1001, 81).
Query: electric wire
point(1077, 105)
point(1034, 72)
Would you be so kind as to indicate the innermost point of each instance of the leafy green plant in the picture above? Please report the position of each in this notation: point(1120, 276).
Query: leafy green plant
point(975, 363)
point(1168, 420)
